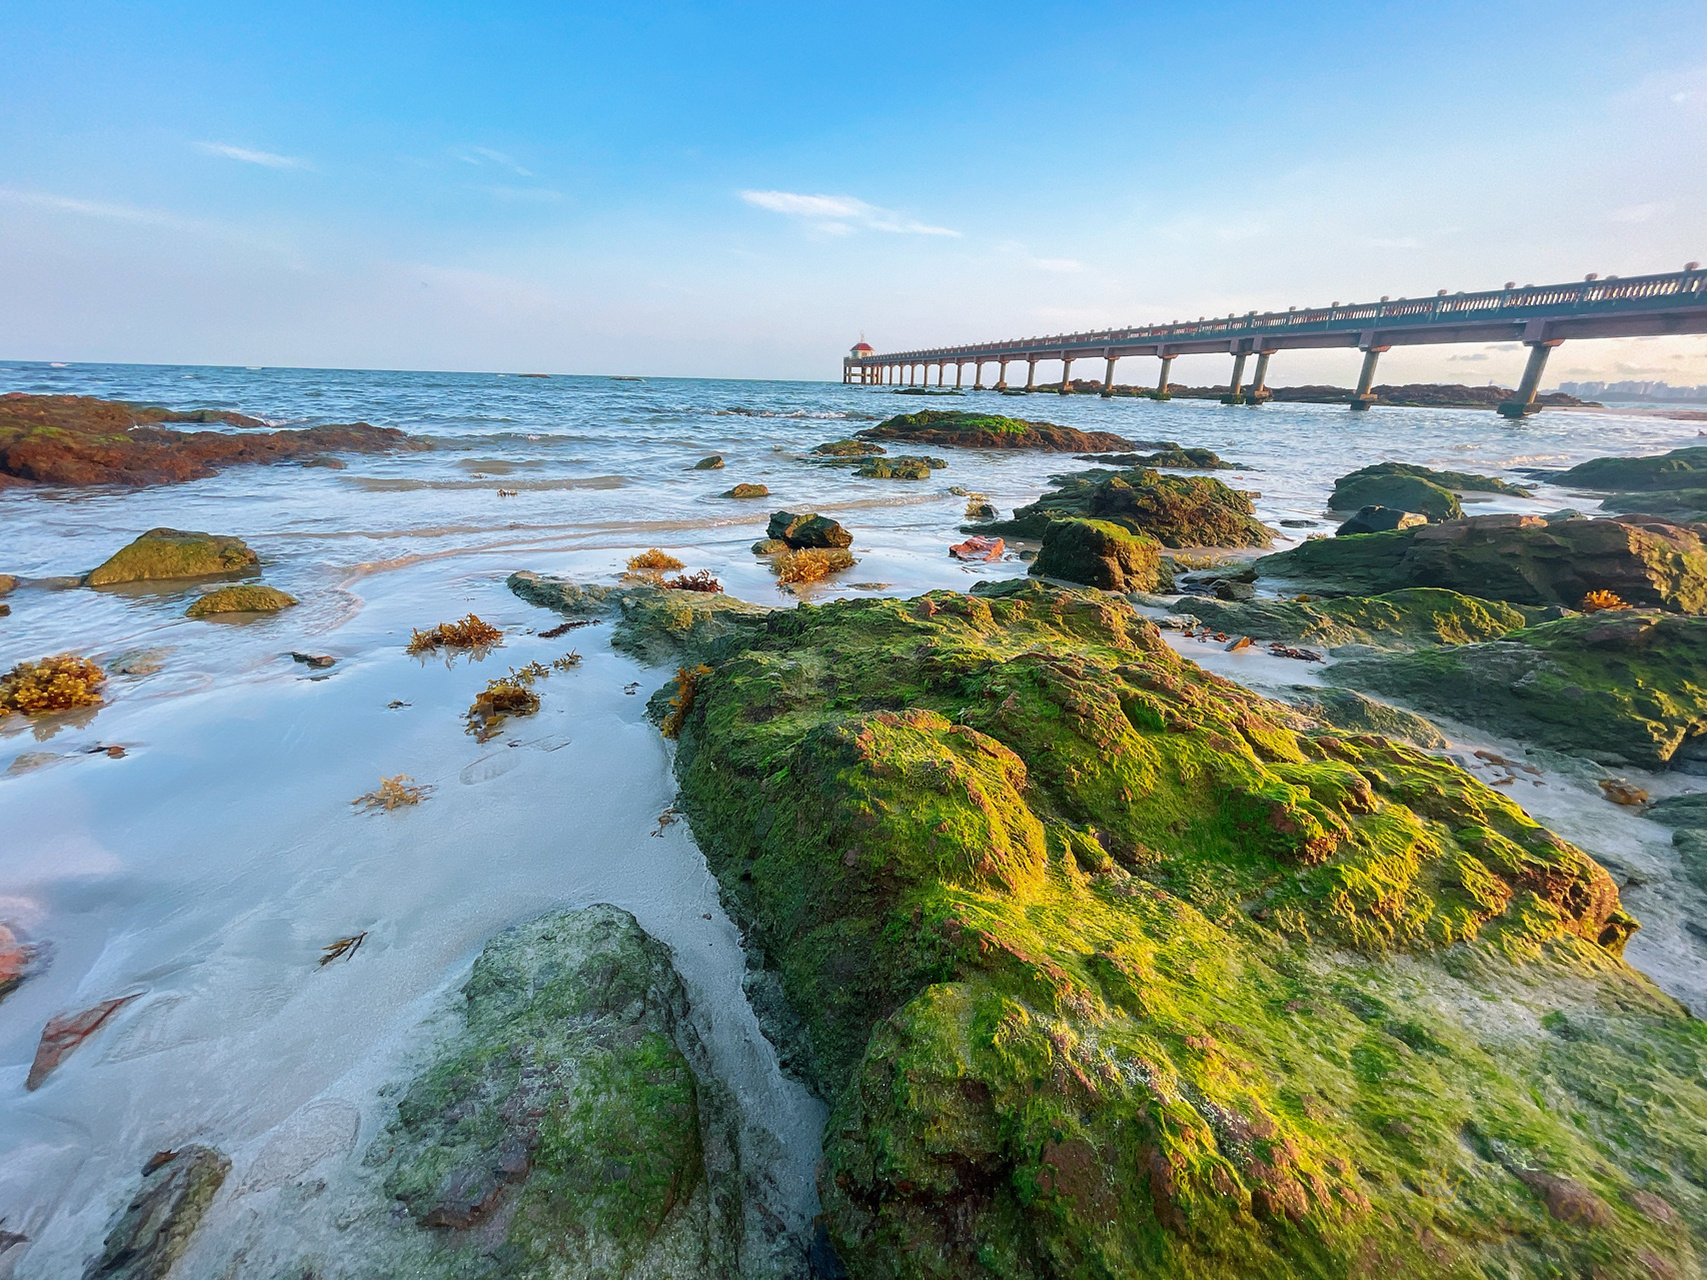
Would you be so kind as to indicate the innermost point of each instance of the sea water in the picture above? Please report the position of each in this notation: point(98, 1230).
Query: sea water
point(204, 866)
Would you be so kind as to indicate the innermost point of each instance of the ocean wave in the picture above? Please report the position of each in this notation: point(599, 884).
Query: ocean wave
point(399, 484)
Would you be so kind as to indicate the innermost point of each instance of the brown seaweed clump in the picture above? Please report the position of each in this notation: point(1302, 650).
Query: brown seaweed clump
point(392, 793)
point(653, 560)
point(812, 564)
point(687, 688)
point(509, 695)
point(699, 580)
point(60, 683)
point(471, 633)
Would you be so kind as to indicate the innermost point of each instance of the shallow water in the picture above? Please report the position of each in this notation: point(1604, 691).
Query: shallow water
point(205, 869)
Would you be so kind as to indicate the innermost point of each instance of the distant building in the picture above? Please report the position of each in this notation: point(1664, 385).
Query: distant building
point(861, 350)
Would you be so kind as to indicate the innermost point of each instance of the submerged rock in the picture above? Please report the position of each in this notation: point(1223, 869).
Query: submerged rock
point(1397, 620)
point(989, 431)
point(1167, 455)
point(712, 463)
point(65, 1034)
point(244, 599)
point(1107, 970)
point(8, 584)
point(748, 491)
point(653, 623)
point(1516, 558)
point(153, 1231)
point(1099, 554)
point(900, 467)
point(1626, 687)
point(1177, 511)
point(565, 1131)
point(173, 553)
point(1379, 520)
point(808, 529)
point(14, 961)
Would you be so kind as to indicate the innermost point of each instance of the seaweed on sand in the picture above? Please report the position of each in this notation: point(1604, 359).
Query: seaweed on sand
point(811, 564)
point(60, 683)
point(653, 561)
point(699, 580)
point(508, 695)
point(471, 633)
point(393, 793)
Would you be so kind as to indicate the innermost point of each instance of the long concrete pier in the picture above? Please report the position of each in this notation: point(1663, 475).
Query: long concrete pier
point(1539, 316)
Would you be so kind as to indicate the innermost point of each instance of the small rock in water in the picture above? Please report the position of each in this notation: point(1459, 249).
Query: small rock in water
point(1621, 792)
point(149, 1237)
point(243, 599)
point(976, 548)
point(64, 1033)
point(15, 960)
point(712, 463)
point(1243, 642)
point(320, 661)
point(808, 529)
point(748, 491)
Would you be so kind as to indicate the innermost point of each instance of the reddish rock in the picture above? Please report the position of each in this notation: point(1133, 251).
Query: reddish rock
point(14, 960)
point(65, 1032)
point(976, 548)
point(81, 440)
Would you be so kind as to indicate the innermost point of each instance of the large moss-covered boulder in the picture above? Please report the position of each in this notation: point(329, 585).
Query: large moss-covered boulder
point(563, 1130)
point(1517, 558)
point(1405, 619)
point(1108, 970)
point(150, 1234)
point(1626, 687)
point(173, 553)
point(989, 431)
point(1177, 511)
point(654, 624)
point(1099, 554)
point(1679, 469)
point(1395, 491)
point(249, 598)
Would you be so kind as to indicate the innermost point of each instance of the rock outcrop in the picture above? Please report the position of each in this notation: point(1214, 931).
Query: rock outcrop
point(1379, 519)
point(807, 529)
point(848, 449)
point(1177, 511)
point(1107, 970)
point(1098, 554)
point(653, 623)
point(1679, 469)
point(1166, 454)
point(901, 466)
point(1409, 619)
point(1625, 687)
point(1516, 558)
point(1366, 485)
point(163, 554)
point(81, 440)
point(250, 598)
point(990, 431)
point(154, 1229)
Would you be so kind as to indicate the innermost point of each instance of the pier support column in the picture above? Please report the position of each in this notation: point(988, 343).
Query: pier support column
point(959, 372)
point(1523, 403)
point(1162, 392)
point(1066, 375)
point(978, 376)
point(1236, 384)
point(1361, 399)
point(1108, 380)
point(1259, 384)
point(1030, 372)
point(1001, 375)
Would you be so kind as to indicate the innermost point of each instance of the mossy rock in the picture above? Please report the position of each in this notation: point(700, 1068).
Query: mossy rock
point(1106, 970)
point(1098, 554)
point(989, 431)
point(1399, 492)
point(655, 624)
point(243, 599)
point(748, 491)
point(1680, 469)
point(1177, 457)
point(900, 467)
point(711, 463)
point(807, 529)
point(1378, 519)
point(148, 1237)
point(1525, 560)
point(1687, 505)
point(1405, 619)
point(1626, 687)
point(1177, 511)
point(1353, 712)
point(563, 1130)
point(1451, 481)
point(848, 449)
point(173, 553)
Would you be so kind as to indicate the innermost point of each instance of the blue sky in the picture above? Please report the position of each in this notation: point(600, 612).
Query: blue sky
point(743, 190)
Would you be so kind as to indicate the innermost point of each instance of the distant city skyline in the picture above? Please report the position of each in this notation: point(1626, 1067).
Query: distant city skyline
point(746, 192)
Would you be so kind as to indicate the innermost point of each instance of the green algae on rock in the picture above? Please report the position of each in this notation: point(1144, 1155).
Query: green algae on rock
point(990, 431)
point(807, 529)
point(1404, 619)
point(1680, 469)
point(1177, 511)
point(148, 1237)
point(901, 466)
point(1409, 487)
point(173, 553)
point(1098, 554)
point(1379, 519)
point(654, 623)
point(748, 491)
point(1626, 687)
point(848, 449)
point(565, 1129)
point(1686, 505)
point(242, 599)
point(1167, 454)
point(1349, 710)
point(1516, 558)
point(1105, 970)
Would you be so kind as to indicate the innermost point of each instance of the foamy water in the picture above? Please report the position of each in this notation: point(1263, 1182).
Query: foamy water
point(204, 871)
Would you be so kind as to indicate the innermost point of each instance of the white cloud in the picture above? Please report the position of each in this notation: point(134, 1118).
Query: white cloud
point(840, 215)
point(99, 209)
point(265, 158)
point(474, 155)
point(1640, 212)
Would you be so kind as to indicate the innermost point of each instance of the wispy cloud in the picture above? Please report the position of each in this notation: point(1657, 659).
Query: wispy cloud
point(523, 195)
point(99, 209)
point(266, 159)
point(840, 215)
point(486, 155)
point(1473, 355)
point(1641, 212)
